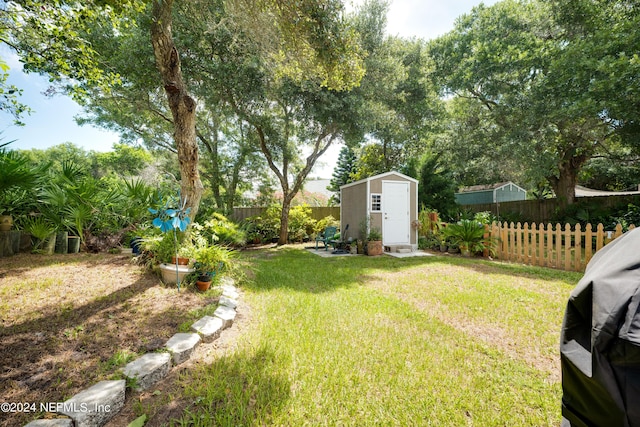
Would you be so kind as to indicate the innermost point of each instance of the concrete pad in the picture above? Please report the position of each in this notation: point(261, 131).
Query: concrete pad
point(148, 369)
point(328, 254)
point(408, 254)
point(226, 314)
point(181, 346)
point(96, 405)
point(208, 327)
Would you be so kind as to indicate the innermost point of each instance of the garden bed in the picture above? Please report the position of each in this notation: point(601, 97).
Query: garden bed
point(68, 321)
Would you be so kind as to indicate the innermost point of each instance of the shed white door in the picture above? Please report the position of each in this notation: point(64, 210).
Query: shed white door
point(395, 213)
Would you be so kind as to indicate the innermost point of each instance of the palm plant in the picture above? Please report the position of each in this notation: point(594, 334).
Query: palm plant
point(468, 235)
point(41, 229)
point(17, 175)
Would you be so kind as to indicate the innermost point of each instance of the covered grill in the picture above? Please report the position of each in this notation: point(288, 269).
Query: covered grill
point(600, 340)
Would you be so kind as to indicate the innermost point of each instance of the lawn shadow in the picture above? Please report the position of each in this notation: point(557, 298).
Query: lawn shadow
point(297, 269)
point(243, 388)
point(294, 268)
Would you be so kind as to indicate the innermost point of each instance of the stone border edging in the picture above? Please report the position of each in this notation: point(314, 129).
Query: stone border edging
point(98, 404)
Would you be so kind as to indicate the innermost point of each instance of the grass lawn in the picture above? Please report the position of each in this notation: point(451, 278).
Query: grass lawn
point(440, 341)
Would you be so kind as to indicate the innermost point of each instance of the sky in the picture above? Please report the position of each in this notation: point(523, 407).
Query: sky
point(52, 121)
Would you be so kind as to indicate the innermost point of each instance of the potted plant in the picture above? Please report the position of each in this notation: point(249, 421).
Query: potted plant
point(467, 234)
point(443, 244)
point(210, 260)
point(172, 217)
point(374, 242)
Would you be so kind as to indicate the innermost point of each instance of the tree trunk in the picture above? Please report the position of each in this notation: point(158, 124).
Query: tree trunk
point(564, 185)
point(284, 220)
point(182, 105)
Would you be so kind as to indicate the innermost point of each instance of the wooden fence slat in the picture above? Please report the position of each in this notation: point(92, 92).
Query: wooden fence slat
point(558, 247)
point(567, 247)
point(542, 245)
point(599, 237)
point(534, 246)
point(550, 261)
point(577, 253)
point(541, 253)
point(588, 244)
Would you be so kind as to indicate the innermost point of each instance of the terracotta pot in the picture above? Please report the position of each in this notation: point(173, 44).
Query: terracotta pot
point(181, 261)
point(374, 247)
point(203, 286)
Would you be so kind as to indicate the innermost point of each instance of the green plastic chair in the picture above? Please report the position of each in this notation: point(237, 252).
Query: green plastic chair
point(326, 236)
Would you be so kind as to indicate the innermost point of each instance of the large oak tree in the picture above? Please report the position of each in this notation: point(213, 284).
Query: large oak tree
point(553, 80)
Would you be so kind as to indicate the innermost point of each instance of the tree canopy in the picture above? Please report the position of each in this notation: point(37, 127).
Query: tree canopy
point(550, 77)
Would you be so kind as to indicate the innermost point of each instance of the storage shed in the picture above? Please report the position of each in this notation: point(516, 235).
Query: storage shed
point(389, 200)
point(493, 193)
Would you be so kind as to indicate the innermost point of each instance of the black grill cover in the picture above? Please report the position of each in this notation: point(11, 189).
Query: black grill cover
point(600, 340)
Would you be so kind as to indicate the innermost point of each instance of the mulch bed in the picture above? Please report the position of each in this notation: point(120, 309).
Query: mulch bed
point(64, 317)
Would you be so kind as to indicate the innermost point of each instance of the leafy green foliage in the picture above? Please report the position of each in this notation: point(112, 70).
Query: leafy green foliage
point(301, 225)
point(266, 227)
point(469, 235)
point(327, 221)
point(343, 172)
point(212, 260)
point(17, 177)
point(539, 70)
point(436, 187)
point(219, 230)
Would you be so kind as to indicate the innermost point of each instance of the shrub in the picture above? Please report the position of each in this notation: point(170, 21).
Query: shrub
point(325, 222)
point(266, 227)
point(469, 235)
point(219, 229)
point(301, 225)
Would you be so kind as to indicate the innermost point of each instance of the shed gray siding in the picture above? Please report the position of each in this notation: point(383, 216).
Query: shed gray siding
point(507, 192)
point(355, 203)
point(475, 198)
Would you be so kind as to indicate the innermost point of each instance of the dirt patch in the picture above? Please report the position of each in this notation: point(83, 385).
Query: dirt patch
point(165, 400)
point(68, 321)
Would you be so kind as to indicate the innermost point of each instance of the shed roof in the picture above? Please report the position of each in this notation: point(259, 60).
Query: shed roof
point(382, 175)
point(589, 192)
point(487, 187)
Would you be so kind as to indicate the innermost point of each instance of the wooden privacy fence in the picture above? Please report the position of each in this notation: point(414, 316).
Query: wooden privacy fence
point(317, 212)
point(549, 246)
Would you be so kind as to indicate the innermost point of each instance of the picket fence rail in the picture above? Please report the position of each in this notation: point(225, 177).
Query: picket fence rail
point(551, 246)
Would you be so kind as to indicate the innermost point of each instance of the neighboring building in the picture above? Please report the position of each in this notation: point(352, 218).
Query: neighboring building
point(493, 193)
point(389, 201)
point(589, 192)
